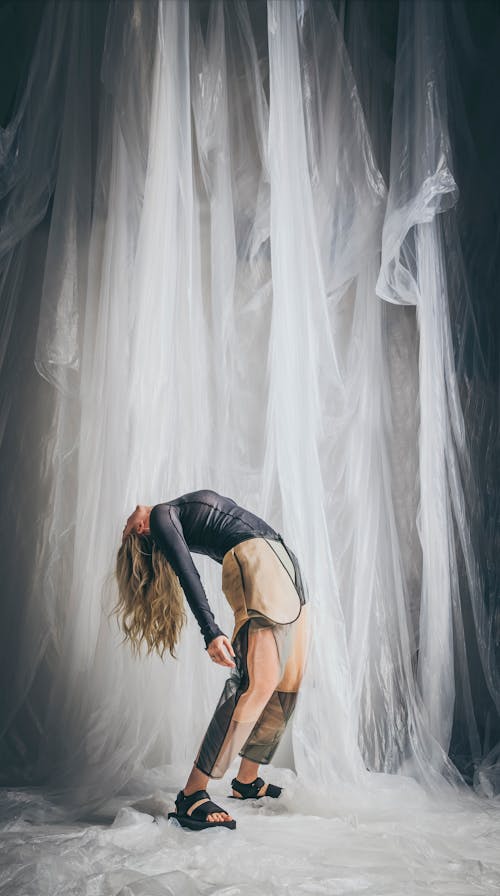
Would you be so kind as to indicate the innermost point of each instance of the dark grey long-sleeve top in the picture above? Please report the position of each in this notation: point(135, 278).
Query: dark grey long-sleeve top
point(202, 522)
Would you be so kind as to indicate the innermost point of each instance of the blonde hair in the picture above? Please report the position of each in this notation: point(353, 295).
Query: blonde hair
point(150, 606)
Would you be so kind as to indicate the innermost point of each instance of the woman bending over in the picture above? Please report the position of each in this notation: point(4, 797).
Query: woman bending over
point(262, 582)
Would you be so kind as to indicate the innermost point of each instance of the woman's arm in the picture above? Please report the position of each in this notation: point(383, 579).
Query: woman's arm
point(168, 535)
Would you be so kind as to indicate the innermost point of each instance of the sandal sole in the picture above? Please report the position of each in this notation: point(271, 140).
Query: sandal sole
point(193, 824)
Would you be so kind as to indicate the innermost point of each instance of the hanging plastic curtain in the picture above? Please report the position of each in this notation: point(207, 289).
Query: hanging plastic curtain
point(421, 265)
point(33, 155)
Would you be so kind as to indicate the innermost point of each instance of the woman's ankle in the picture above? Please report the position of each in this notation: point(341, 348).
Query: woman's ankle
point(197, 781)
point(248, 772)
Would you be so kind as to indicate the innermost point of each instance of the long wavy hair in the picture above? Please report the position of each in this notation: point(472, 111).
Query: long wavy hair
point(150, 607)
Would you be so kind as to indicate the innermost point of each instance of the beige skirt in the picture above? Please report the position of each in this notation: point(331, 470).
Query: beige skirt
point(258, 580)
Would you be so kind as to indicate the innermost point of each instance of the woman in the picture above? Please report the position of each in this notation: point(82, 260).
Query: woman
point(262, 583)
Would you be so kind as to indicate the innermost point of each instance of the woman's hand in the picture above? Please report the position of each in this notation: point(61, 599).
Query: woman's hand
point(220, 651)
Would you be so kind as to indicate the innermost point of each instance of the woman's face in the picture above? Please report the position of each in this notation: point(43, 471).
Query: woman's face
point(137, 522)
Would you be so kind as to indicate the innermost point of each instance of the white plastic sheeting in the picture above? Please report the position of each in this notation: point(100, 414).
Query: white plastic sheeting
point(377, 848)
point(206, 310)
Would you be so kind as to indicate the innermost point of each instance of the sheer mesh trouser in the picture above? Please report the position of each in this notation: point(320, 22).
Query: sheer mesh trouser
point(255, 738)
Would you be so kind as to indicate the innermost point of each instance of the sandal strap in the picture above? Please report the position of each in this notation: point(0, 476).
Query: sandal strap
point(196, 805)
point(206, 809)
point(247, 790)
point(273, 790)
point(183, 803)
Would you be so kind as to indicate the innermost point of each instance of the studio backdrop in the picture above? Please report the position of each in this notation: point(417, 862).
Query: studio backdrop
point(231, 257)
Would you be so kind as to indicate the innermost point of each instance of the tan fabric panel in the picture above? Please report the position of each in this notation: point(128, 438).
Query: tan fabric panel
point(255, 578)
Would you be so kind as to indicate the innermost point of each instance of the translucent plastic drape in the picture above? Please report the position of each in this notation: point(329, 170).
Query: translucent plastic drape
point(422, 265)
point(217, 300)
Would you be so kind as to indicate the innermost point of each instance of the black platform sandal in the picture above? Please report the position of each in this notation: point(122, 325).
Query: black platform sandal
point(192, 812)
point(251, 791)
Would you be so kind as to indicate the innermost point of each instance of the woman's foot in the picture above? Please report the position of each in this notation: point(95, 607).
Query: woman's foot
point(214, 816)
point(196, 811)
point(197, 781)
point(254, 790)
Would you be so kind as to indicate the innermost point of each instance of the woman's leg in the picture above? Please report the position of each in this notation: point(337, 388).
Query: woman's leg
point(270, 726)
point(264, 673)
point(245, 695)
point(261, 673)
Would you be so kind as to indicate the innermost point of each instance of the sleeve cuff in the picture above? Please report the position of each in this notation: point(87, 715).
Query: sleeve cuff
point(214, 633)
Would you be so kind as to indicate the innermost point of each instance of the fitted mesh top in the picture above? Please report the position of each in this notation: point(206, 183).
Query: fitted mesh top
point(206, 523)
